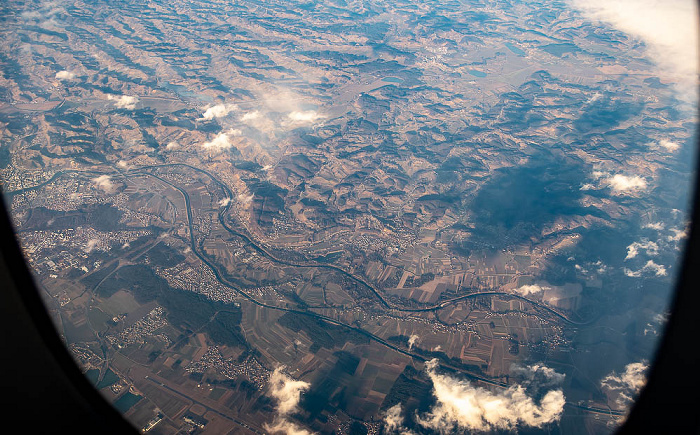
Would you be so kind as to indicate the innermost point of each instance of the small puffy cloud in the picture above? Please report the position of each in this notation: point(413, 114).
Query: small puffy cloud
point(224, 202)
point(537, 375)
point(461, 406)
point(530, 289)
point(218, 111)
point(104, 182)
point(599, 266)
point(127, 102)
point(412, 341)
point(650, 266)
point(623, 183)
point(393, 420)
point(657, 322)
point(65, 75)
point(287, 392)
point(286, 427)
point(221, 141)
point(632, 273)
point(626, 385)
point(172, 146)
point(650, 329)
point(250, 116)
point(122, 164)
point(650, 247)
point(245, 199)
point(658, 226)
point(587, 186)
point(304, 117)
point(46, 11)
point(657, 269)
point(678, 234)
point(91, 245)
point(669, 145)
point(661, 318)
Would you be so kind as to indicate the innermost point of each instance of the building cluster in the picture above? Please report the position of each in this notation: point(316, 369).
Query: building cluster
point(200, 280)
point(85, 357)
point(70, 248)
point(250, 368)
point(137, 333)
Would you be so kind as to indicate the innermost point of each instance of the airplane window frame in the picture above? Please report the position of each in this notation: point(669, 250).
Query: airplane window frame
point(61, 399)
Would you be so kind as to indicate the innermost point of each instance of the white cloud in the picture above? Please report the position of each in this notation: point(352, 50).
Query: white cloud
point(104, 182)
point(649, 328)
point(91, 245)
point(287, 392)
point(669, 145)
point(221, 141)
point(668, 28)
point(650, 247)
point(218, 111)
point(658, 269)
point(47, 11)
point(245, 200)
point(678, 234)
point(600, 267)
point(632, 273)
point(628, 384)
point(412, 341)
point(530, 289)
point(661, 318)
point(650, 266)
point(122, 164)
point(623, 183)
point(286, 427)
point(587, 186)
point(172, 145)
point(393, 421)
point(461, 406)
point(305, 117)
point(658, 226)
point(127, 102)
point(537, 375)
point(65, 75)
point(224, 202)
point(250, 116)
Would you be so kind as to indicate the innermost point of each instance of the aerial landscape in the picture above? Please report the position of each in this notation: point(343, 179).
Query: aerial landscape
point(347, 217)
